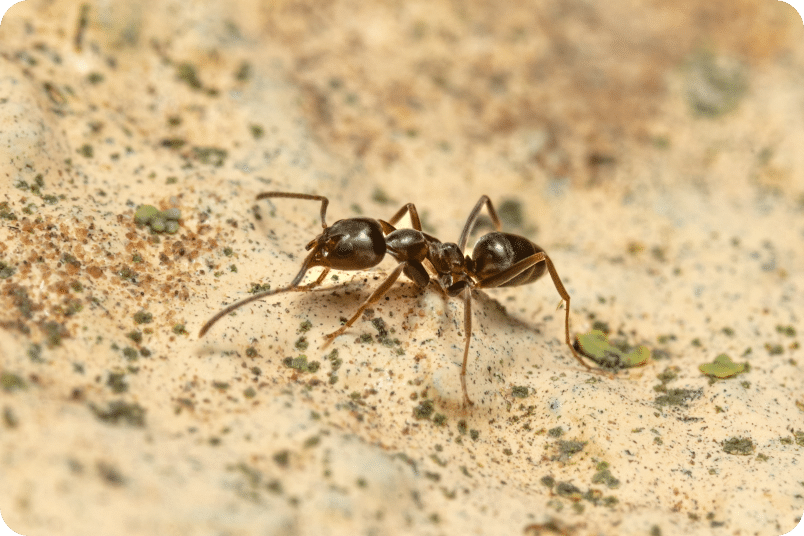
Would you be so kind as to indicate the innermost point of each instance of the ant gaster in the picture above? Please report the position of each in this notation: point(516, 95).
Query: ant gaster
point(498, 260)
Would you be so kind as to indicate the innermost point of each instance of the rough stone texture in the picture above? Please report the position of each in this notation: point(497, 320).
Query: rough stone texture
point(655, 153)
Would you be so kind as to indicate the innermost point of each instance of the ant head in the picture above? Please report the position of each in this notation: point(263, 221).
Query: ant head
point(447, 258)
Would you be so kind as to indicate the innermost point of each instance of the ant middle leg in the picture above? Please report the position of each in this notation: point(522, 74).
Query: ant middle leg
point(376, 295)
point(472, 219)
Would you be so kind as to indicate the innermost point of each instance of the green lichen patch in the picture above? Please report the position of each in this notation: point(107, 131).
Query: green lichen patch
point(666, 376)
point(119, 411)
point(10, 418)
point(214, 156)
point(596, 346)
point(677, 397)
point(257, 288)
point(6, 213)
point(440, 419)
point(424, 410)
point(54, 333)
point(739, 446)
point(566, 449)
point(789, 331)
point(187, 73)
point(145, 213)
point(568, 491)
point(143, 317)
point(604, 476)
point(166, 221)
point(723, 367)
point(130, 353)
point(116, 382)
point(301, 364)
point(110, 474)
point(302, 344)
point(21, 300)
point(282, 458)
point(519, 391)
point(35, 353)
point(179, 329)
point(12, 382)
point(6, 271)
point(715, 84)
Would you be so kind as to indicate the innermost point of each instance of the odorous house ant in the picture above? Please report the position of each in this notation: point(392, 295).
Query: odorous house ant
point(498, 260)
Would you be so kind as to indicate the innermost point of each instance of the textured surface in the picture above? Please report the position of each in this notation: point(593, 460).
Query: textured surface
point(655, 155)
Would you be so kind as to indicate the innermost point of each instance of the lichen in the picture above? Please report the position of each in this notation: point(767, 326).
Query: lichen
point(596, 346)
point(723, 367)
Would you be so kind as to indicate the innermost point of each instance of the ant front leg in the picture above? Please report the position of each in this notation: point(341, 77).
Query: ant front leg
point(376, 295)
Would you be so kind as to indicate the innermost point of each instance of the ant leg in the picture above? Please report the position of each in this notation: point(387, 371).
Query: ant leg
point(414, 216)
point(467, 328)
point(294, 286)
point(470, 221)
point(417, 273)
point(376, 295)
point(324, 201)
point(519, 267)
point(566, 297)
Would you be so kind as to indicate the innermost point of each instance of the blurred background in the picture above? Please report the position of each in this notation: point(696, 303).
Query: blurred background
point(653, 149)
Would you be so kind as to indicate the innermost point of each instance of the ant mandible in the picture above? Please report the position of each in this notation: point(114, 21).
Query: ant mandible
point(498, 260)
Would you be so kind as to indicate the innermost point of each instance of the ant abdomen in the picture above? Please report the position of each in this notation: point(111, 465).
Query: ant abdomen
point(496, 252)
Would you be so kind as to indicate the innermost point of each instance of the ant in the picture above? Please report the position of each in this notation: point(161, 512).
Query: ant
point(498, 260)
